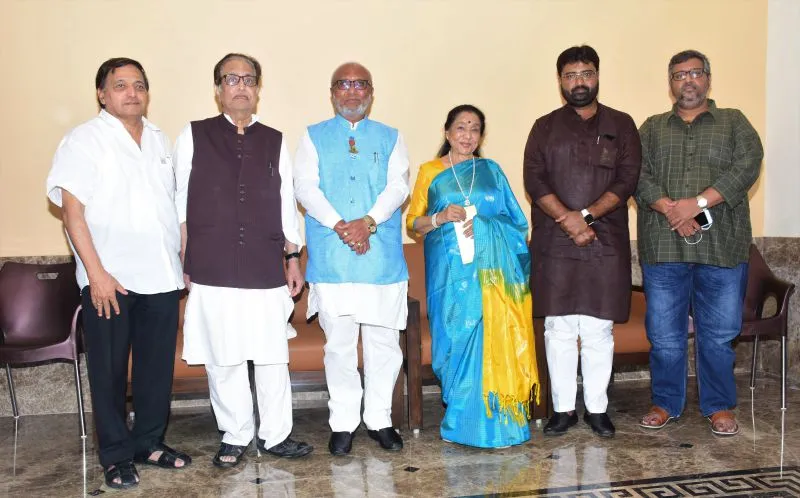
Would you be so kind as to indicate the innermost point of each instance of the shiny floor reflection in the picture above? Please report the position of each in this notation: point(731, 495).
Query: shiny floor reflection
point(46, 456)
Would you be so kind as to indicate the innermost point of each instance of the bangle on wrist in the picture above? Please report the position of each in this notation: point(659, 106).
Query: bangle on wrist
point(433, 221)
point(291, 255)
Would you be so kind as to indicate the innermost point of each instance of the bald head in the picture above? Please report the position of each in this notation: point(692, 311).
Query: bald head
point(351, 71)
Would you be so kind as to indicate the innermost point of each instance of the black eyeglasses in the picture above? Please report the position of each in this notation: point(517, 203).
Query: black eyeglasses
point(357, 84)
point(231, 79)
point(692, 73)
point(586, 75)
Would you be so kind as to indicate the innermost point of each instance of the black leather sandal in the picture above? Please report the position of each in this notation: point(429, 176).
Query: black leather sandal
point(226, 449)
point(124, 471)
point(167, 458)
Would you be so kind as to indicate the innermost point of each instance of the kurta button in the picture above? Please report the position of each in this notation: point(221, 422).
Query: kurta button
point(241, 235)
point(352, 201)
point(241, 199)
point(241, 229)
point(241, 242)
point(238, 156)
point(352, 177)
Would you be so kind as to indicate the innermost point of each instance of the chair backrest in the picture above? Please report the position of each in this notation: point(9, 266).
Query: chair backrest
point(37, 302)
point(415, 259)
point(757, 272)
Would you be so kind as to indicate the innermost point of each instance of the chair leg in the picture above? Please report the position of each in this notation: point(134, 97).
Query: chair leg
point(783, 373)
point(753, 365)
point(79, 392)
point(14, 409)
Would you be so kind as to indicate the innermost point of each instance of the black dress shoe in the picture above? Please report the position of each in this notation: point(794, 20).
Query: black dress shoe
point(388, 438)
point(340, 443)
point(600, 424)
point(559, 423)
point(288, 448)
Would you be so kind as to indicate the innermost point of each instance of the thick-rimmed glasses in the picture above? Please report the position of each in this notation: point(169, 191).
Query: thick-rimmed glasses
point(356, 84)
point(231, 79)
point(585, 75)
point(692, 73)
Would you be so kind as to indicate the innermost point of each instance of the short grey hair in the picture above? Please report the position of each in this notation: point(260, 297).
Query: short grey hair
point(684, 56)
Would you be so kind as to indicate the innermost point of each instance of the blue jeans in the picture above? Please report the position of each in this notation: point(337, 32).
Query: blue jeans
point(715, 296)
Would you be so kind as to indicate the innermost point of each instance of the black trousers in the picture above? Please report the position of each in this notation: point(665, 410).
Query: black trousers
point(146, 328)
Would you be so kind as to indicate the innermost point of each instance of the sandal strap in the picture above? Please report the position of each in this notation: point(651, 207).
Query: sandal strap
point(233, 450)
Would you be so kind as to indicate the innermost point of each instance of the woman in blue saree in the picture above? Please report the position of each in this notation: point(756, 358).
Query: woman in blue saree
point(479, 303)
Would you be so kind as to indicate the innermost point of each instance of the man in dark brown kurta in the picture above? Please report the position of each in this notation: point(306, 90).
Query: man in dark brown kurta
point(582, 163)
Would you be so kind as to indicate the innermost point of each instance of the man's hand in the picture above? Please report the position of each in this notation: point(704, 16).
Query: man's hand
point(294, 277)
point(103, 289)
point(663, 205)
point(356, 234)
point(572, 223)
point(682, 212)
point(688, 229)
point(585, 238)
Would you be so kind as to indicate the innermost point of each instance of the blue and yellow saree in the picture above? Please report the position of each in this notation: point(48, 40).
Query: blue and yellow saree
point(480, 313)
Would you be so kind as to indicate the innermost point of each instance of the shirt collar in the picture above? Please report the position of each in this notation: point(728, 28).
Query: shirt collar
point(712, 110)
point(606, 127)
point(114, 121)
point(253, 119)
point(351, 126)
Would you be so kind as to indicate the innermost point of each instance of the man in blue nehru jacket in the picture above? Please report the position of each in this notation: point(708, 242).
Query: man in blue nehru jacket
point(351, 175)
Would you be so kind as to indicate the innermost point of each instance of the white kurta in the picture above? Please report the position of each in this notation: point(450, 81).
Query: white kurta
point(226, 326)
point(381, 305)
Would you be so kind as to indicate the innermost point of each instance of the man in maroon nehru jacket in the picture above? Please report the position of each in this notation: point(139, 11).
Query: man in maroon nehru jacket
point(240, 247)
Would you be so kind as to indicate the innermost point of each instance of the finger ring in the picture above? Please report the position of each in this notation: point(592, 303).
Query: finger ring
point(352, 244)
point(358, 244)
point(345, 234)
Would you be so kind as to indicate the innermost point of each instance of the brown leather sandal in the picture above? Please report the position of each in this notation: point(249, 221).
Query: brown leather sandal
point(719, 419)
point(659, 416)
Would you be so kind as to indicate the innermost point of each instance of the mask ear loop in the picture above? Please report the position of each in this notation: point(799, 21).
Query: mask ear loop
point(694, 243)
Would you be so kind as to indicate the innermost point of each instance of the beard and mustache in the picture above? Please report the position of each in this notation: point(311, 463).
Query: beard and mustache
point(690, 95)
point(580, 96)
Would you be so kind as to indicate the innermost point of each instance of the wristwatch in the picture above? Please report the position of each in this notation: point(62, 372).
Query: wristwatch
point(291, 255)
point(371, 226)
point(702, 202)
point(587, 216)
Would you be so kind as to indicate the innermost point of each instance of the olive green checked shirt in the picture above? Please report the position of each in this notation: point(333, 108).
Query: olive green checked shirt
point(719, 149)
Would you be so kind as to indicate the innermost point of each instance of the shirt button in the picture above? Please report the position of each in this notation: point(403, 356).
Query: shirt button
point(241, 235)
point(241, 199)
point(241, 229)
point(238, 156)
point(241, 242)
point(352, 178)
point(352, 201)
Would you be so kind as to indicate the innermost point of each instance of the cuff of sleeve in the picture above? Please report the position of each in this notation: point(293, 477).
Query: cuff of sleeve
point(55, 194)
point(540, 192)
point(331, 219)
point(729, 194)
point(650, 195)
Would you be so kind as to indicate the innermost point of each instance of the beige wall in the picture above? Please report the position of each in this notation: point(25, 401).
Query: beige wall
point(425, 55)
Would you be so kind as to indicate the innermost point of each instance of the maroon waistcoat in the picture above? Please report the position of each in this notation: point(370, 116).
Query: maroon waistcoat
point(233, 216)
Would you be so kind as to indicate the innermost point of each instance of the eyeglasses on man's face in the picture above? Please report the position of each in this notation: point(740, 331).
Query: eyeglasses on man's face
point(231, 79)
point(585, 75)
point(695, 73)
point(347, 84)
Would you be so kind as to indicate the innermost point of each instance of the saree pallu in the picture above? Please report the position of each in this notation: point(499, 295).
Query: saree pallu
point(480, 313)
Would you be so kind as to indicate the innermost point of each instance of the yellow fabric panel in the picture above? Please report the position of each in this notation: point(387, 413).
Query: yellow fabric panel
point(419, 196)
point(508, 333)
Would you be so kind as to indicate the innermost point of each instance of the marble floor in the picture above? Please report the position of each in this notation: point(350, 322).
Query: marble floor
point(46, 457)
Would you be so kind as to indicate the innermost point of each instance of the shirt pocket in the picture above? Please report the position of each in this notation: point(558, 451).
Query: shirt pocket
point(166, 173)
point(604, 154)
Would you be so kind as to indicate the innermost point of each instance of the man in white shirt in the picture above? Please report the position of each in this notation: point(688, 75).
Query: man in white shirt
point(241, 240)
point(113, 179)
point(351, 175)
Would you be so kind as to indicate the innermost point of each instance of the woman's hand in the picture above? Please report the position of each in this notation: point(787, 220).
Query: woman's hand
point(453, 212)
point(468, 231)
